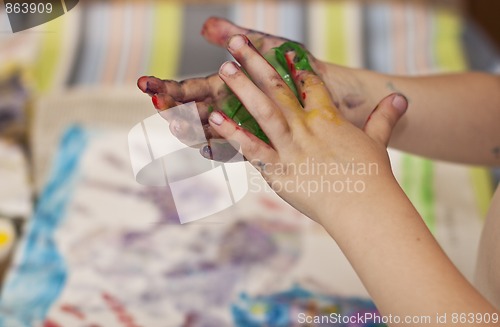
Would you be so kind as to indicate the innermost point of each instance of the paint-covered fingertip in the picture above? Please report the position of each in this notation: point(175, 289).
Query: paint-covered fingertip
point(142, 83)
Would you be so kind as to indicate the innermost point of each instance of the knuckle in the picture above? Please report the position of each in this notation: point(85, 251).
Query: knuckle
point(251, 148)
point(276, 82)
point(222, 91)
point(267, 113)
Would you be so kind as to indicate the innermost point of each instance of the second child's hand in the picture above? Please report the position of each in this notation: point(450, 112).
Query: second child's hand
point(309, 133)
point(309, 163)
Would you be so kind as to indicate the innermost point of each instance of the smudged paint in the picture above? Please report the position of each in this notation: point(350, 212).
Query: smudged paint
point(270, 204)
point(289, 57)
point(72, 310)
point(50, 323)
point(148, 89)
point(324, 114)
point(119, 310)
point(155, 101)
point(496, 152)
point(352, 101)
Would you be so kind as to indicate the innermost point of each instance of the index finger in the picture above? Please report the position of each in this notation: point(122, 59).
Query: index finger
point(193, 89)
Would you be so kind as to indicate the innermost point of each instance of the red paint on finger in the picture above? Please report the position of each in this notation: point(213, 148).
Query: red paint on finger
point(236, 126)
point(368, 119)
point(155, 101)
point(291, 65)
point(371, 114)
point(304, 95)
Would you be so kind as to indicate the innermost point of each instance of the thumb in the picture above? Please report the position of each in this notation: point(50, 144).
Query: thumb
point(384, 117)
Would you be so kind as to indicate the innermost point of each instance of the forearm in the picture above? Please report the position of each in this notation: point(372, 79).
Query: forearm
point(397, 258)
point(451, 117)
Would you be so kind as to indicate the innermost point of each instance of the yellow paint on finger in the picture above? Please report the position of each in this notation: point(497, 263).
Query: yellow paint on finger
point(324, 114)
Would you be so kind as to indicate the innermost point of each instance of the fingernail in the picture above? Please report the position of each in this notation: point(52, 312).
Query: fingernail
point(237, 42)
point(400, 103)
point(216, 118)
point(206, 152)
point(228, 69)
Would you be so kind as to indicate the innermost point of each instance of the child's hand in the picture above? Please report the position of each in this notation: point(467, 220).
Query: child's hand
point(317, 160)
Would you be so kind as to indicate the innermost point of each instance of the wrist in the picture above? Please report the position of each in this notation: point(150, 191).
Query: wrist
point(354, 91)
point(367, 195)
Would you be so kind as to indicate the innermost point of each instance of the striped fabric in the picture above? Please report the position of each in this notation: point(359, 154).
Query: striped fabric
point(120, 41)
point(335, 31)
point(102, 43)
point(278, 18)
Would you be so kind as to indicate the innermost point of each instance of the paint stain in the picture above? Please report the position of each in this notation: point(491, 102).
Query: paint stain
point(119, 310)
point(270, 204)
point(323, 114)
point(155, 101)
point(304, 95)
point(289, 57)
point(244, 131)
point(72, 310)
point(50, 323)
point(352, 101)
point(206, 152)
point(368, 119)
point(5, 238)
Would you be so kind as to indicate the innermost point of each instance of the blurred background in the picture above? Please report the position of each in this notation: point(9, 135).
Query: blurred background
point(83, 244)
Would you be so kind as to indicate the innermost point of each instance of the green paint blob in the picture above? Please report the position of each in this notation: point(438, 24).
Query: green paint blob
point(233, 107)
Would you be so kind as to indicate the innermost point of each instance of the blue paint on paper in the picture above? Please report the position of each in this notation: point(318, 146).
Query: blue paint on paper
point(39, 272)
